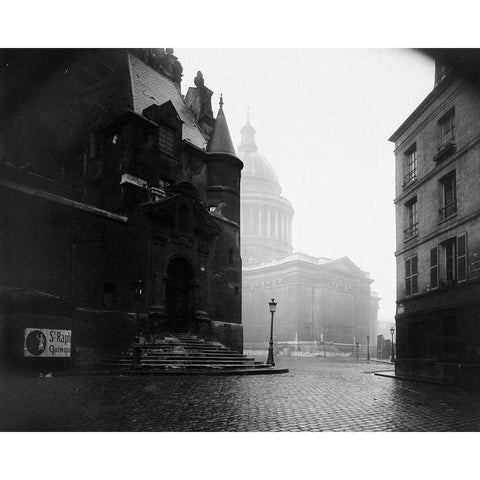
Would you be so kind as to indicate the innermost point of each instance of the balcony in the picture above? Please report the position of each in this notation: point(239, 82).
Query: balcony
point(410, 177)
point(448, 211)
point(411, 231)
point(446, 149)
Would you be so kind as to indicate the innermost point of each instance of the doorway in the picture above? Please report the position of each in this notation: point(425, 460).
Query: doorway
point(180, 295)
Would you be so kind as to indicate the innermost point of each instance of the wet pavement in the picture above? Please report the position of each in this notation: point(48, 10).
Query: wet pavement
point(314, 396)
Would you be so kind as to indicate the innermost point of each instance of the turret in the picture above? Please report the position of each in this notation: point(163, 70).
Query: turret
point(224, 167)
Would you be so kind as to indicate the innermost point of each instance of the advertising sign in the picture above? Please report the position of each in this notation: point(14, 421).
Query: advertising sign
point(46, 342)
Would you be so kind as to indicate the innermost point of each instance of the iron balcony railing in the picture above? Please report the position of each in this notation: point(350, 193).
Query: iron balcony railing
point(448, 210)
point(448, 147)
point(409, 178)
point(411, 231)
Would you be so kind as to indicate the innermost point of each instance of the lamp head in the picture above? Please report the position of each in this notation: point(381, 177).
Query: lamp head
point(272, 305)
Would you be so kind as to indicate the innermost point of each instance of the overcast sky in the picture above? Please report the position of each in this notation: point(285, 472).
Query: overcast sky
point(323, 118)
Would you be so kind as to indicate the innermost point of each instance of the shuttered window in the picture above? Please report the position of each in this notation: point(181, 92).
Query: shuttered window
point(411, 275)
point(434, 267)
point(462, 258)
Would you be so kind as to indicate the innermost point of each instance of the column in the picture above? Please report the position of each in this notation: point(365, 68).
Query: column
point(269, 233)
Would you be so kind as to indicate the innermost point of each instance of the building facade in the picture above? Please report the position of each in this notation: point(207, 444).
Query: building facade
point(120, 206)
point(318, 298)
point(437, 154)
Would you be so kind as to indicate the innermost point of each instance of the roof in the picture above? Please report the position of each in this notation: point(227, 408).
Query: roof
point(150, 87)
point(418, 111)
point(343, 264)
point(221, 141)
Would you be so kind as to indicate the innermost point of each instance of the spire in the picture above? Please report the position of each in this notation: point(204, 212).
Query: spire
point(220, 141)
point(247, 143)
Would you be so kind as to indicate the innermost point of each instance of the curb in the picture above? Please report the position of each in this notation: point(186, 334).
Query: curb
point(140, 372)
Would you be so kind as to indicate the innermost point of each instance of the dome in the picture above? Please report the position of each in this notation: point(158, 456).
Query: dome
point(257, 174)
point(257, 165)
point(266, 217)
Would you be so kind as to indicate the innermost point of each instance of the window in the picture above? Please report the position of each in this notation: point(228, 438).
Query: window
point(462, 258)
point(411, 220)
point(411, 166)
point(448, 196)
point(434, 267)
point(212, 208)
point(447, 127)
point(455, 256)
point(166, 139)
point(450, 256)
point(108, 296)
point(411, 275)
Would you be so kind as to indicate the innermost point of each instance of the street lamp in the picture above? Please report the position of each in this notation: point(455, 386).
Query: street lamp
point(368, 348)
point(136, 357)
point(393, 352)
point(270, 361)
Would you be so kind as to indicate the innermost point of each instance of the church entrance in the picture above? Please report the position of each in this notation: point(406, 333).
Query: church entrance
point(180, 295)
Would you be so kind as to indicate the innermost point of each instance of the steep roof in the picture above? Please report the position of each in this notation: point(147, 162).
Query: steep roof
point(221, 141)
point(151, 87)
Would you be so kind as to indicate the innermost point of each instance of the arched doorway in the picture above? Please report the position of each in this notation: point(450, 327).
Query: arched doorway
point(180, 295)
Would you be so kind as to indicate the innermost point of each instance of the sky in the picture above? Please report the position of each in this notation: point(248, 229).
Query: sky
point(323, 118)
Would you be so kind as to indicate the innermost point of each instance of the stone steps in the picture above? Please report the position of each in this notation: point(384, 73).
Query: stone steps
point(177, 352)
point(212, 356)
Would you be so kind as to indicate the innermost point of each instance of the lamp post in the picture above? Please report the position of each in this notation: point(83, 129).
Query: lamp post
point(270, 361)
point(138, 294)
point(393, 352)
point(357, 344)
point(136, 358)
point(368, 348)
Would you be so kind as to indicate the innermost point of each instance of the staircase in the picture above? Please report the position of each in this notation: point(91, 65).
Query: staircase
point(182, 353)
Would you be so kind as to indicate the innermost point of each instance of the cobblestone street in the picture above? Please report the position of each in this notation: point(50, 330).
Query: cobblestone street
point(314, 396)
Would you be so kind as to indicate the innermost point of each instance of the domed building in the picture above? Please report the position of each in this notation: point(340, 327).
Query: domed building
point(266, 216)
point(319, 299)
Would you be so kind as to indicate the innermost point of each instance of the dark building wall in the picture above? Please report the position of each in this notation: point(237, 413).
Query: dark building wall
point(126, 209)
point(436, 322)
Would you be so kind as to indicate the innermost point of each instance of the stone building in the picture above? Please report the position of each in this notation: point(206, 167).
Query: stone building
point(318, 298)
point(120, 206)
point(437, 155)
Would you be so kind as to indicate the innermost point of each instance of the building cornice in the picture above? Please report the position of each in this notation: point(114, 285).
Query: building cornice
point(63, 201)
point(433, 95)
point(437, 112)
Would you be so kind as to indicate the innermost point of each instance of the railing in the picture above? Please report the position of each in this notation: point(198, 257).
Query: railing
point(411, 231)
point(410, 178)
point(448, 210)
point(448, 147)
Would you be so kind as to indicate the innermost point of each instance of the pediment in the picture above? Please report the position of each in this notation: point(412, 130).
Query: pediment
point(345, 265)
